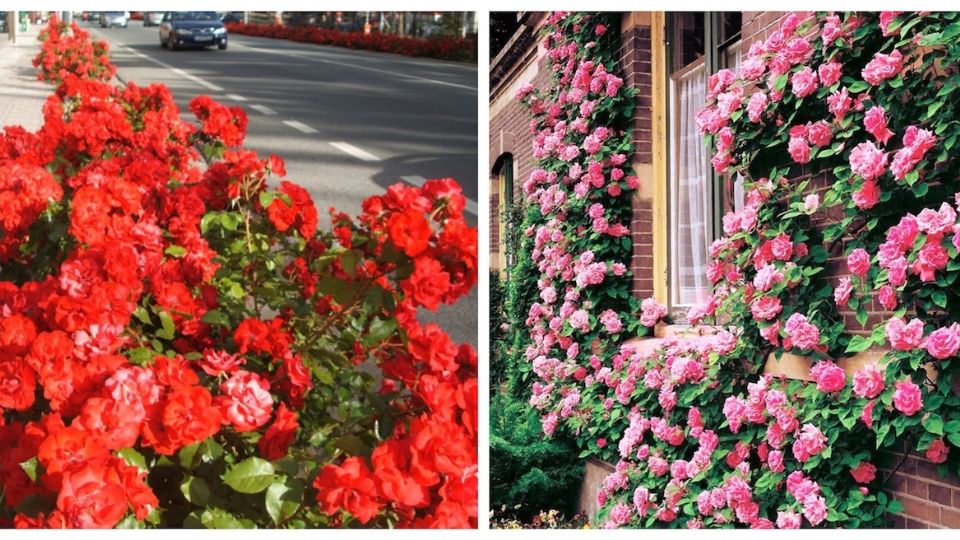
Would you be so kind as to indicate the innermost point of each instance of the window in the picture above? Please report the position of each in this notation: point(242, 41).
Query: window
point(502, 206)
point(698, 43)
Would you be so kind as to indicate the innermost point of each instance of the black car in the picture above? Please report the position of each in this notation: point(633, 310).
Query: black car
point(181, 29)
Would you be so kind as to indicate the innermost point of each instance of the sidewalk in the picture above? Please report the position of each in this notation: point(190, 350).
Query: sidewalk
point(21, 94)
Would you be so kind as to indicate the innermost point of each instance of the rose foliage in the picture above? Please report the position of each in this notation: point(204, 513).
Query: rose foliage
point(182, 345)
point(843, 126)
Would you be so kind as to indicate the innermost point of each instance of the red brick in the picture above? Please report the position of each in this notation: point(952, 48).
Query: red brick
point(940, 494)
point(920, 509)
point(950, 518)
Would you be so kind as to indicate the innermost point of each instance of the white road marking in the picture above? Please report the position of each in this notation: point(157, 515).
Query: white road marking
point(355, 66)
point(419, 181)
point(358, 153)
point(263, 110)
point(299, 126)
point(178, 71)
point(236, 97)
point(415, 180)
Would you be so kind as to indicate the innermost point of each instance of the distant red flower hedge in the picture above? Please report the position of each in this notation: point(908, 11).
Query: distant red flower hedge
point(441, 48)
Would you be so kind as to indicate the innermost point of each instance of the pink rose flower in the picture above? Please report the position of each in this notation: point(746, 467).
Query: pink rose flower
point(810, 442)
point(781, 247)
point(819, 133)
point(943, 343)
point(868, 161)
point(867, 415)
point(882, 67)
point(245, 400)
point(937, 221)
point(815, 510)
point(868, 382)
point(799, 150)
point(789, 520)
point(839, 103)
point(811, 203)
point(841, 294)
point(916, 143)
point(867, 196)
point(829, 376)
point(765, 308)
point(904, 336)
point(887, 17)
point(829, 73)
point(864, 472)
point(907, 397)
point(802, 333)
point(875, 121)
point(937, 452)
point(804, 82)
point(757, 104)
point(932, 257)
point(888, 298)
point(858, 261)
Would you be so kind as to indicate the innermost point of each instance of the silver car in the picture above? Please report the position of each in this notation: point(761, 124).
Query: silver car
point(109, 19)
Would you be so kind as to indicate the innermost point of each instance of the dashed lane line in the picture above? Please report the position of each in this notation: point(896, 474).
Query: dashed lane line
point(178, 71)
point(264, 110)
point(299, 126)
point(235, 97)
point(358, 153)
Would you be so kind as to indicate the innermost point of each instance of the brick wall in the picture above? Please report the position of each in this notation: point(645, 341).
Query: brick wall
point(635, 67)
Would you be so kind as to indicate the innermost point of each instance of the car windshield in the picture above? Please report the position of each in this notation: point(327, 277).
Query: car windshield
point(115, 13)
point(194, 16)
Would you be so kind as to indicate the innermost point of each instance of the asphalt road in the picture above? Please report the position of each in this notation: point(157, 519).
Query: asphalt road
point(347, 123)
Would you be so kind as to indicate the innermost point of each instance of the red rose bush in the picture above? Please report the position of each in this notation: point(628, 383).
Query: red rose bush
point(182, 343)
point(843, 127)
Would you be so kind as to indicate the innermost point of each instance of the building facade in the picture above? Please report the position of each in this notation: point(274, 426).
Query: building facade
point(678, 209)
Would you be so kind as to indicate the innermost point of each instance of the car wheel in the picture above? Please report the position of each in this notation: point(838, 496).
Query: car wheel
point(222, 46)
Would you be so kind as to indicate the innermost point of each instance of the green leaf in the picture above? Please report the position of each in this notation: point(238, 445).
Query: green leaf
point(230, 220)
point(283, 499)
point(380, 330)
point(196, 454)
point(215, 317)
point(195, 490)
point(858, 87)
point(30, 467)
point(175, 251)
point(858, 344)
point(168, 329)
point(939, 297)
point(934, 424)
point(132, 457)
point(251, 475)
point(954, 439)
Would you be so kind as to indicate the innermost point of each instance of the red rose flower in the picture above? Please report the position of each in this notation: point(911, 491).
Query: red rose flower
point(348, 487)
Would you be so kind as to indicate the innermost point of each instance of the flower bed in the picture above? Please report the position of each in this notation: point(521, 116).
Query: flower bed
point(182, 345)
point(699, 436)
point(441, 48)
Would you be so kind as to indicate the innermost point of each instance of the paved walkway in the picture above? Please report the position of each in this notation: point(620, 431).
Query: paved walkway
point(21, 94)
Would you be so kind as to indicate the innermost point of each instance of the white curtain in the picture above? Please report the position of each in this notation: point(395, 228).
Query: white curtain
point(691, 192)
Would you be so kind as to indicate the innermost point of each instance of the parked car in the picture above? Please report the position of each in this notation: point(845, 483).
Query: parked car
point(152, 18)
point(110, 19)
point(181, 29)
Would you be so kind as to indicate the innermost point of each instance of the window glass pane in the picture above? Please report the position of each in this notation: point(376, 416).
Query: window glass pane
point(691, 197)
point(687, 41)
